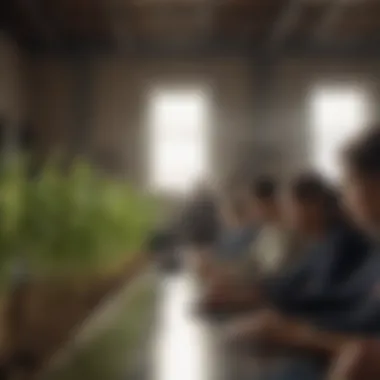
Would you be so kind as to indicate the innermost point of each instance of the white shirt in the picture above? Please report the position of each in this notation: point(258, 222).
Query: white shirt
point(271, 250)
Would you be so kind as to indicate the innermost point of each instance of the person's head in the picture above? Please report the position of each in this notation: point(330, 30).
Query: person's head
point(361, 161)
point(311, 204)
point(264, 196)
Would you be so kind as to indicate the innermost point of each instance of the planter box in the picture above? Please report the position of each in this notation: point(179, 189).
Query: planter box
point(112, 344)
point(52, 308)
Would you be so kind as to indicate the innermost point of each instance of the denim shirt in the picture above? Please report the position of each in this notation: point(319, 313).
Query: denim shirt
point(234, 244)
point(327, 283)
point(364, 291)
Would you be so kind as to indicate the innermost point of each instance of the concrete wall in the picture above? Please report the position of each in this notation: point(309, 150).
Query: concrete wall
point(119, 91)
point(294, 83)
point(115, 124)
point(52, 103)
point(14, 95)
point(122, 95)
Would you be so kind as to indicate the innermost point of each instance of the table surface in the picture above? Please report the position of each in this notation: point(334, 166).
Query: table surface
point(186, 346)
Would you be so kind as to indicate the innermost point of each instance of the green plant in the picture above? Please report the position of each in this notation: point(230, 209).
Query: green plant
point(71, 222)
point(67, 224)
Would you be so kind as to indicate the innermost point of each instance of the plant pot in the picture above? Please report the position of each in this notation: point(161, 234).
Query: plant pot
point(53, 307)
point(109, 345)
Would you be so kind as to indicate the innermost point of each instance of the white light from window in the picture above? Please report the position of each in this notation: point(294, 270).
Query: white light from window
point(180, 348)
point(178, 123)
point(337, 115)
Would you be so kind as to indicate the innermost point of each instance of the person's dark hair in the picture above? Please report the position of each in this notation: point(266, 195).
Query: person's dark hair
point(264, 188)
point(199, 221)
point(312, 187)
point(362, 155)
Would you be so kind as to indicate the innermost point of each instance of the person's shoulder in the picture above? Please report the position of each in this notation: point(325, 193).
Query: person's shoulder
point(350, 237)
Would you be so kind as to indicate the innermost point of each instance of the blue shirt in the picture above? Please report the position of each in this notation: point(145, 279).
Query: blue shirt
point(234, 244)
point(328, 283)
point(363, 290)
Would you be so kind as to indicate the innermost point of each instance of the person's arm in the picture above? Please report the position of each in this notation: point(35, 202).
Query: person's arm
point(229, 297)
point(250, 289)
point(271, 328)
point(283, 292)
point(203, 263)
point(356, 361)
point(303, 336)
point(243, 291)
point(233, 289)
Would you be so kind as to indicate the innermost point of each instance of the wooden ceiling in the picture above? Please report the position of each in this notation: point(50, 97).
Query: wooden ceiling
point(193, 25)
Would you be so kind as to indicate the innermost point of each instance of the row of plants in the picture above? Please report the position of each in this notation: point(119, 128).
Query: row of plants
point(67, 222)
point(72, 225)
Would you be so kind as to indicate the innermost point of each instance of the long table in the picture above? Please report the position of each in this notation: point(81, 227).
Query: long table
point(188, 347)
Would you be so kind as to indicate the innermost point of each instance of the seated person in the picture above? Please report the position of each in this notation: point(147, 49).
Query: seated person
point(275, 245)
point(199, 228)
point(328, 249)
point(349, 330)
point(270, 252)
point(199, 221)
point(239, 229)
point(332, 249)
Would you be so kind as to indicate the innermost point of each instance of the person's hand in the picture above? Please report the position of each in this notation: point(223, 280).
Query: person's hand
point(231, 297)
point(217, 281)
point(356, 361)
point(203, 266)
point(260, 326)
point(217, 297)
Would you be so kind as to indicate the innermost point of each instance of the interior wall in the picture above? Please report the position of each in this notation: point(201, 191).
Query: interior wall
point(118, 110)
point(294, 82)
point(121, 101)
point(51, 100)
point(13, 87)
point(120, 91)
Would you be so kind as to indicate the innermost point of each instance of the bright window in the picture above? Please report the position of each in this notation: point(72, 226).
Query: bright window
point(337, 115)
point(178, 136)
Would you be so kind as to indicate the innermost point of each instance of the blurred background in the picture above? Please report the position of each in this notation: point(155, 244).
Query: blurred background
point(256, 78)
point(166, 94)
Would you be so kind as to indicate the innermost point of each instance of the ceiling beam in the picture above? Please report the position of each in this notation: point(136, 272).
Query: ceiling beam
point(328, 19)
point(201, 16)
point(214, 48)
point(284, 24)
point(33, 12)
point(117, 15)
point(206, 13)
point(6, 16)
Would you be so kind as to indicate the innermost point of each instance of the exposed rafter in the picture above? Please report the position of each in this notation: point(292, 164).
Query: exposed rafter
point(118, 19)
point(217, 48)
point(285, 22)
point(34, 13)
point(328, 20)
point(207, 12)
point(175, 27)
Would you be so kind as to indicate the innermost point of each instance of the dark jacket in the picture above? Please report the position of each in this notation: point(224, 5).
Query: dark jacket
point(323, 285)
